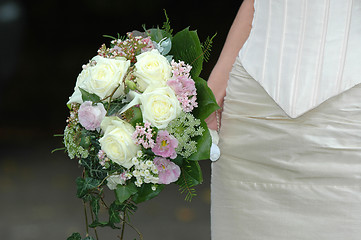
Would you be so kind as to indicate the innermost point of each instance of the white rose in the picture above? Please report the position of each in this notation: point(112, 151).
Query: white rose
point(152, 68)
point(159, 106)
point(117, 141)
point(102, 78)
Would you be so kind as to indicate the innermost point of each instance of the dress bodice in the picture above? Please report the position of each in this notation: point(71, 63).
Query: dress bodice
point(303, 52)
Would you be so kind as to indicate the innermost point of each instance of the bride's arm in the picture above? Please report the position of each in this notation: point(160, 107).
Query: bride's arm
point(236, 37)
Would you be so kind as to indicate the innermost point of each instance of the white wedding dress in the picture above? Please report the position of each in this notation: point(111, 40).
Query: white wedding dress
point(290, 166)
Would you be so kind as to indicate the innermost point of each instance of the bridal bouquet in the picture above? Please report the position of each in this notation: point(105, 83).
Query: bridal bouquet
point(136, 122)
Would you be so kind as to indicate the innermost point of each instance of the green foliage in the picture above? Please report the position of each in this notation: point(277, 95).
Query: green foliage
point(166, 25)
point(114, 216)
point(77, 236)
point(86, 96)
point(93, 168)
point(123, 192)
point(146, 193)
point(191, 175)
point(204, 143)
point(133, 115)
point(89, 238)
point(85, 186)
point(187, 47)
point(74, 236)
point(114, 106)
point(157, 34)
point(207, 46)
point(206, 101)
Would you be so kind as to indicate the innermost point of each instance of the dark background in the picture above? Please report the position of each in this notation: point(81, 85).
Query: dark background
point(43, 45)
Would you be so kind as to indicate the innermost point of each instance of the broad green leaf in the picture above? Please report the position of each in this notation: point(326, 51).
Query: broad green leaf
point(137, 116)
point(85, 185)
point(123, 192)
point(145, 192)
point(86, 96)
point(194, 172)
point(74, 236)
point(206, 101)
point(187, 47)
point(178, 160)
point(204, 143)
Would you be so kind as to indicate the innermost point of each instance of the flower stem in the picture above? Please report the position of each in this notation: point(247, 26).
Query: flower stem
point(86, 218)
point(95, 229)
point(124, 216)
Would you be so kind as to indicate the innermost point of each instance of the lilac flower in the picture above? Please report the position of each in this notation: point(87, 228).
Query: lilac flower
point(165, 145)
point(91, 116)
point(168, 171)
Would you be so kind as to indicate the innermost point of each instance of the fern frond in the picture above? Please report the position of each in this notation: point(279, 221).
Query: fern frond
point(207, 46)
point(186, 186)
point(166, 25)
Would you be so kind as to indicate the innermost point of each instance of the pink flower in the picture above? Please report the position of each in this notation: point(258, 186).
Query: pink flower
point(185, 89)
point(183, 85)
point(168, 171)
point(143, 135)
point(165, 145)
point(91, 116)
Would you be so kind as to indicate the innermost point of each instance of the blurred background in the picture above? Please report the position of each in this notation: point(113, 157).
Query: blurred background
point(43, 44)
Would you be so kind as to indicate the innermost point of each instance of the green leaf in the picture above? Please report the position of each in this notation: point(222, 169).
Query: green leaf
point(187, 47)
point(85, 185)
point(204, 144)
point(114, 107)
point(86, 96)
point(123, 192)
point(85, 139)
point(157, 34)
point(146, 193)
point(178, 160)
point(137, 116)
point(74, 236)
point(206, 101)
point(194, 172)
point(98, 224)
point(94, 203)
point(114, 215)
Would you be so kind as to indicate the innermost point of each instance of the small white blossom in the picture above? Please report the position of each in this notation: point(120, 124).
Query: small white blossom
point(139, 154)
point(135, 161)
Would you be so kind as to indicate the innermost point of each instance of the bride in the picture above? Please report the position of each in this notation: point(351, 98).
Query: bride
point(290, 127)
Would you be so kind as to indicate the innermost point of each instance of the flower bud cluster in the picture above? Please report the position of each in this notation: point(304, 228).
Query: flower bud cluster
point(103, 159)
point(73, 119)
point(143, 135)
point(128, 48)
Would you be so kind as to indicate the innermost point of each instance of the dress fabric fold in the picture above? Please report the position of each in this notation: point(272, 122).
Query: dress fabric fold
point(283, 178)
point(304, 51)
